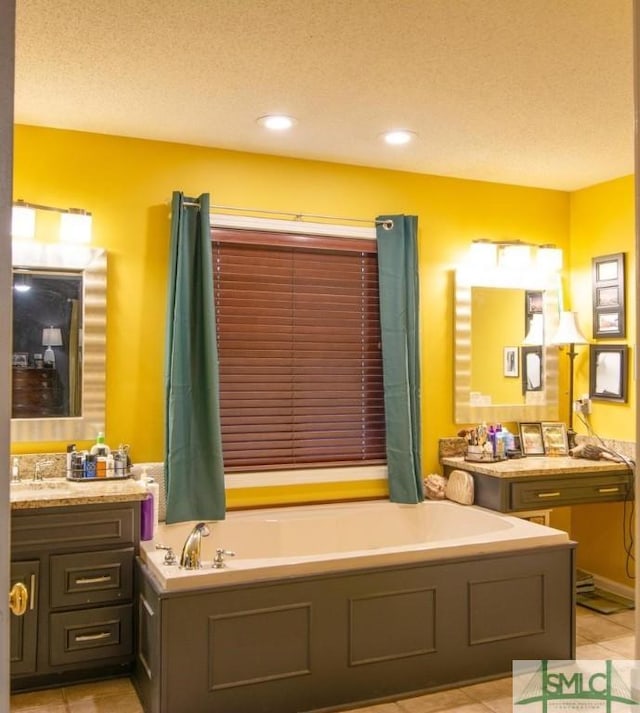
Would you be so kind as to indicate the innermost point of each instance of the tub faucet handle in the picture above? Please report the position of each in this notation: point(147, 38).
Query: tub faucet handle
point(218, 562)
point(170, 556)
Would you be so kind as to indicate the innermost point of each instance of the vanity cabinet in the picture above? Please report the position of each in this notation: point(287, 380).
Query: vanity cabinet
point(77, 563)
point(545, 482)
point(24, 629)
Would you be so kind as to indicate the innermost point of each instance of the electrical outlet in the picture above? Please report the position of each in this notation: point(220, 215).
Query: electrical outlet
point(582, 406)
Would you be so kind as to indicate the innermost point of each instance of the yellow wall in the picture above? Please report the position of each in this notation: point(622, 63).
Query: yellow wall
point(602, 223)
point(127, 183)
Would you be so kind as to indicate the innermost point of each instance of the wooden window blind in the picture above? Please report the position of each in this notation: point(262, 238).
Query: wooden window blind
point(299, 350)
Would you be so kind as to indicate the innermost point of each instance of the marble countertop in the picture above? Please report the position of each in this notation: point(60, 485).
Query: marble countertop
point(537, 465)
point(59, 492)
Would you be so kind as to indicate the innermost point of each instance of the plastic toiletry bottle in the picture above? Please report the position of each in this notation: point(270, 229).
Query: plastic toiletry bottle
point(100, 448)
point(15, 471)
point(147, 512)
point(111, 466)
point(71, 449)
point(90, 466)
point(154, 489)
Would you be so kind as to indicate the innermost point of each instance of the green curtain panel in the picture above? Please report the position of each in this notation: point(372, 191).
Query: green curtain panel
point(399, 304)
point(194, 471)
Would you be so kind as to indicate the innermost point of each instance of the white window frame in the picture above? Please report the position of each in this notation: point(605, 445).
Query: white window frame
point(300, 476)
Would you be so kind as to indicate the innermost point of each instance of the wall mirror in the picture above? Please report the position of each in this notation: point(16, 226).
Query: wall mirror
point(59, 339)
point(492, 319)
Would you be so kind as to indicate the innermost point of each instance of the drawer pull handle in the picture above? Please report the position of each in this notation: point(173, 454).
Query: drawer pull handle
point(94, 637)
point(554, 494)
point(93, 580)
point(32, 594)
point(608, 490)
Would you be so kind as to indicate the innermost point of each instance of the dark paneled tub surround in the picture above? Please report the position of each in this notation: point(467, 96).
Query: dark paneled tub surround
point(353, 625)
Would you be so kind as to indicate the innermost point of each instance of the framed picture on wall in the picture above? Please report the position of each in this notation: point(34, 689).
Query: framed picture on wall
point(511, 358)
point(608, 366)
point(608, 296)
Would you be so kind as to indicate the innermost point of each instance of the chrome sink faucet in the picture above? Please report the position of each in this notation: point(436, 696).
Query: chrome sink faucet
point(191, 552)
point(40, 465)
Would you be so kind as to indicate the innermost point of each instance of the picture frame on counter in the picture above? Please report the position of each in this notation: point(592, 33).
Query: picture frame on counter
point(554, 438)
point(531, 442)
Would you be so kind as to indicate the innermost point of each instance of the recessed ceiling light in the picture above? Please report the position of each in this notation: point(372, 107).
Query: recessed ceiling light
point(397, 137)
point(276, 122)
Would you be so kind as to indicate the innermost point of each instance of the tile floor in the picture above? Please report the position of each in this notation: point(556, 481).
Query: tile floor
point(597, 637)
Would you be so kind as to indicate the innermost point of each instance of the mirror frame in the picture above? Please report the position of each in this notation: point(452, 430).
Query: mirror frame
point(92, 264)
point(540, 405)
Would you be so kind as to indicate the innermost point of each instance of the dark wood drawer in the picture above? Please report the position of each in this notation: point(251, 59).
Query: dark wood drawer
point(36, 392)
point(91, 578)
point(90, 634)
point(553, 492)
point(82, 528)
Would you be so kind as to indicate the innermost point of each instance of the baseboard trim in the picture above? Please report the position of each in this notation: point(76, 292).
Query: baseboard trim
point(614, 587)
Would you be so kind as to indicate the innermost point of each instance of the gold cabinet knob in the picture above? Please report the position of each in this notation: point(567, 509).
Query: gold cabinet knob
point(18, 599)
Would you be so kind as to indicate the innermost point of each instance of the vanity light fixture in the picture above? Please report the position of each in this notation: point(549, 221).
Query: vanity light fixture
point(514, 256)
point(21, 283)
point(276, 122)
point(75, 223)
point(23, 221)
point(399, 137)
point(75, 226)
point(549, 257)
point(569, 334)
point(483, 253)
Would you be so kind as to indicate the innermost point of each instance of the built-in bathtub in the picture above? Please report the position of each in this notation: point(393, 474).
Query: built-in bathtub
point(329, 606)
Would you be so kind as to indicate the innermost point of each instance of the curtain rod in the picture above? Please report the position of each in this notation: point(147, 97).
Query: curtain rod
point(386, 224)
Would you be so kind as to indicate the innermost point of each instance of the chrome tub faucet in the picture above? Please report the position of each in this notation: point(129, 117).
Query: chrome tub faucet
point(191, 552)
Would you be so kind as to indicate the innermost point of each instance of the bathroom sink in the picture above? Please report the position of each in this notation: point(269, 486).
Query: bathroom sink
point(39, 486)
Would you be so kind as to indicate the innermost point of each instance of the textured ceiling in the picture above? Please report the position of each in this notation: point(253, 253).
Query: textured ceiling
point(531, 92)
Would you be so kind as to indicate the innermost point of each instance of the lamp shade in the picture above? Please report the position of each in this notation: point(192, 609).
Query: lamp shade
point(535, 335)
point(568, 330)
point(51, 337)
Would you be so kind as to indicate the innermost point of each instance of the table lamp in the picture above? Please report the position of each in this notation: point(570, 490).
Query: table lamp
point(51, 337)
point(569, 334)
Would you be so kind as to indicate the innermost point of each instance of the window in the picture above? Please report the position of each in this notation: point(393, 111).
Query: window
point(299, 349)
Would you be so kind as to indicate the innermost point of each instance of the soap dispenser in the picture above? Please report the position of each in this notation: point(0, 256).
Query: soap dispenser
point(15, 471)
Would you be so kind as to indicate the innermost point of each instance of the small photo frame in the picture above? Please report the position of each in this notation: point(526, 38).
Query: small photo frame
point(608, 296)
point(608, 366)
point(511, 360)
point(554, 438)
point(20, 359)
point(533, 302)
point(531, 441)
